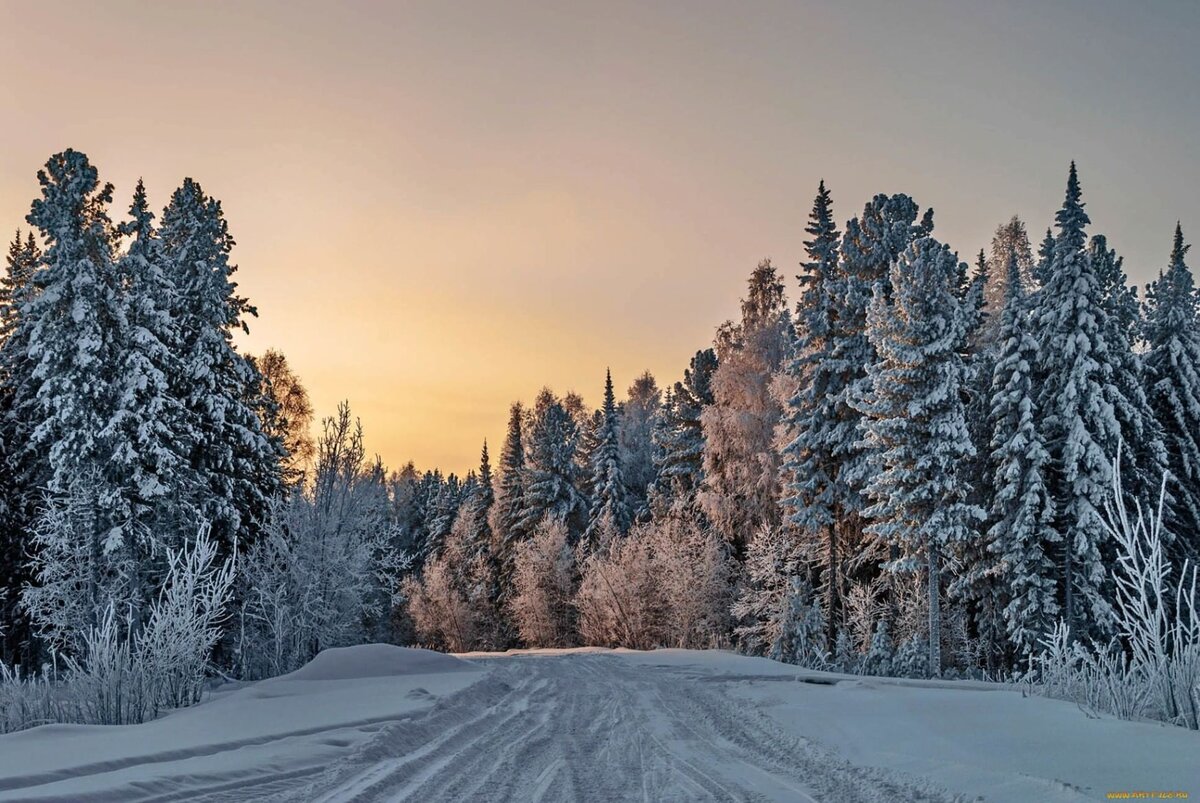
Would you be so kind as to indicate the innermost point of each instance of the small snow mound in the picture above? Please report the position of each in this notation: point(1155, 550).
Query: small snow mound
point(377, 660)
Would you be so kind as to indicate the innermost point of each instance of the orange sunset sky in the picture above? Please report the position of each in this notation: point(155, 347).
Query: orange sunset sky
point(441, 207)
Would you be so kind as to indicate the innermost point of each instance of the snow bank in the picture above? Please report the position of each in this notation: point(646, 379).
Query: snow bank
point(377, 660)
point(247, 740)
point(980, 739)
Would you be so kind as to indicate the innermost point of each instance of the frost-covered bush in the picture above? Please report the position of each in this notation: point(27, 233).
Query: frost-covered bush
point(878, 660)
point(665, 584)
point(544, 582)
point(1153, 668)
point(322, 574)
point(441, 612)
point(1158, 618)
point(186, 621)
point(620, 601)
point(801, 637)
point(912, 658)
point(772, 559)
point(864, 611)
point(694, 573)
point(122, 673)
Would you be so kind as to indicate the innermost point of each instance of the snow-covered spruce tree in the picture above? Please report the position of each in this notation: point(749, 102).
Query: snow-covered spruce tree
point(740, 494)
point(236, 463)
point(552, 491)
point(978, 586)
point(1144, 458)
point(1022, 538)
point(507, 513)
point(609, 507)
point(813, 439)
point(478, 506)
point(1041, 269)
point(71, 325)
point(679, 437)
point(1173, 387)
point(149, 428)
point(870, 244)
point(445, 497)
point(408, 504)
point(1172, 379)
point(635, 426)
point(914, 423)
point(17, 485)
point(319, 577)
point(1078, 424)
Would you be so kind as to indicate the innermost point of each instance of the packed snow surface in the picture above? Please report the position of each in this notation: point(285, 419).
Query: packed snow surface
point(386, 723)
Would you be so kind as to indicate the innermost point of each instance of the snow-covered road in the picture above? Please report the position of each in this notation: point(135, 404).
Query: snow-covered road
point(383, 723)
point(596, 727)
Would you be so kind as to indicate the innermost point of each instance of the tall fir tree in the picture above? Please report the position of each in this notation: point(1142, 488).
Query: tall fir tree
point(609, 508)
point(815, 496)
point(149, 427)
point(872, 242)
point(1172, 380)
point(639, 415)
point(237, 465)
point(18, 495)
point(1078, 424)
point(1022, 540)
point(481, 504)
point(680, 435)
point(552, 491)
point(1143, 456)
point(71, 327)
point(915, 425)
point(508, 509)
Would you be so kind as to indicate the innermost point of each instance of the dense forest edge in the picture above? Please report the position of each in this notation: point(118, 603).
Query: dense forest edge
point(919, 468)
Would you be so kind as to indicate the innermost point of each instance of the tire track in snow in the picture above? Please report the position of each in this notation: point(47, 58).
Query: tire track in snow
point(594, 727)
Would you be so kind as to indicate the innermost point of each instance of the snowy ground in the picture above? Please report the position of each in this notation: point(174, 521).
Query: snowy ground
point(384, 723)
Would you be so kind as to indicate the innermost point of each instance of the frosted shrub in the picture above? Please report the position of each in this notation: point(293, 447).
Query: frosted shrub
point(321, 575)
point(440, 612)
point(1154, 669)
point(544, 584)
point(666, 584)
point(801, 637)
point(27, 701)
point(122, 675)
point(864, 611)
point(1160, 624)
point(772, 559)
point(186, 621)
point(621, 601)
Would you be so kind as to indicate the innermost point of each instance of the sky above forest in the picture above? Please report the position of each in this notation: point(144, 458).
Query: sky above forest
point(441, 207)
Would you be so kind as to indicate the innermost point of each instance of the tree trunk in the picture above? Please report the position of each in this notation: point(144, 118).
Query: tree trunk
point(935, 614)
point(831, 589)
point(1069, 588)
